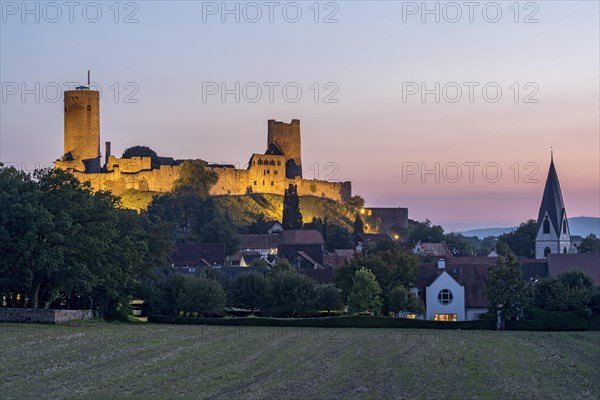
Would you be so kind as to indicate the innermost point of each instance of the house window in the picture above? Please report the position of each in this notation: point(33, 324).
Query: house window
point(565, 226)
point(411, 316)
point(444, 317)
point(445, 296)
point(547, 251)
point(546, 225)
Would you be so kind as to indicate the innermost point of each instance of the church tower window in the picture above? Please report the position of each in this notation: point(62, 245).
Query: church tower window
point(546, 225)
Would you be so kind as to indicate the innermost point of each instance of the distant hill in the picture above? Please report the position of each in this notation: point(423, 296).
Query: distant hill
point(581, 226)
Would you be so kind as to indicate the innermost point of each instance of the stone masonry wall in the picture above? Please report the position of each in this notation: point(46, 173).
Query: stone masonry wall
point(43, 316)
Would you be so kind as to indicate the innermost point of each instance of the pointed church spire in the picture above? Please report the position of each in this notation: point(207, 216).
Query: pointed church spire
point(553, 230)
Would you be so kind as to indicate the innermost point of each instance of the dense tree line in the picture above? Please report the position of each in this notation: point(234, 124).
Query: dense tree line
point(281, 292)
point(63, 245)
point(512, 298)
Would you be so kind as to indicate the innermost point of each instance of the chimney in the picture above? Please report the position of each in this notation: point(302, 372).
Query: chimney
point(441, 263)
point(106, 152)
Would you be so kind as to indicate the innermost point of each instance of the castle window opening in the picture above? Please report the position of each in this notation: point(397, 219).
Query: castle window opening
point(263, 183)
point(272, 183)
point(279, 163)
point(259, 162)
point(275, 172)
point(254, 183)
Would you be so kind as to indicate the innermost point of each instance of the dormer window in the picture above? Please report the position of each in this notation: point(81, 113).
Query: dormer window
point(546, 225)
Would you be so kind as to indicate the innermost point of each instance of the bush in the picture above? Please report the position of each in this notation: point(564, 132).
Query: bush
point(552, 321)
point(328, 322)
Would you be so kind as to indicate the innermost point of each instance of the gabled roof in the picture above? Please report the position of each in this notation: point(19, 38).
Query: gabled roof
point(471, 276)
point(472, 260)
point(345, 252)
point(258, 241)
point(372, 237)
point(193, 254)
point(534, 269)
point(308, 258)
point(587, 263)
point(308, 236)
point(552, 201)
point(274, 150)
point(435, 249)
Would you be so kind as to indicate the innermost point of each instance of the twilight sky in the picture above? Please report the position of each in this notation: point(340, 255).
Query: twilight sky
point(416, 112)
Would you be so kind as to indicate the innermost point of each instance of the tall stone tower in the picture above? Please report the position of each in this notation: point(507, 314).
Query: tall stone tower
point(284, 139)
point(553, 235)
point(82, 127)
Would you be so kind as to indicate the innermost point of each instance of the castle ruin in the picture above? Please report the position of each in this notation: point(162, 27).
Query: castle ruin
point(271, 172)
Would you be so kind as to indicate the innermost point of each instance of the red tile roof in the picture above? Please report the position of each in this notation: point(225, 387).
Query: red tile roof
point(259, 242)
point(471, 276)
point(192, 254)
point(308, 236)
point(588, 263)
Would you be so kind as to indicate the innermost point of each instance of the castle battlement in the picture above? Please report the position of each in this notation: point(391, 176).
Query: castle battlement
point(271, 172)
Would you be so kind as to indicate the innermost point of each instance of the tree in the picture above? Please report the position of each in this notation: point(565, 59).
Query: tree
point(194, 176)
point(337, 238)
point(142, 151)
point(391, 268)
point(357, 202)
point(292, 217)
point(503, 250)
point(290, 294)
point(426, 232)
point(570, 291)
point(365, 293)
point(358, 226)
point(219, 230)
point(248, 290)
point(405, 302)
point(505, 289)
point(522, 240)
point(204, 296)
point(328, 297)
point(590, 244)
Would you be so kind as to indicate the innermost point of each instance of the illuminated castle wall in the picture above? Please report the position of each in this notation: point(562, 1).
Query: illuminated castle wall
point(272, 172)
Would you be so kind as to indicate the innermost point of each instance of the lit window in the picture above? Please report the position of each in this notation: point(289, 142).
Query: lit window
point(445, 296)
point(411, 316)
point(444, 317)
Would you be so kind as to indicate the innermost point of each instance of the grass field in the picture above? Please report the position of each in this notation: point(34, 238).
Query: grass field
point(114, 361)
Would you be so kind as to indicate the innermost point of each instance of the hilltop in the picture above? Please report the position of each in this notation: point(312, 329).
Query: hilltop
point(245, 209)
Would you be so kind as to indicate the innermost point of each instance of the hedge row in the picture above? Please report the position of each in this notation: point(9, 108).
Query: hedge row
point(328, 322)
point(555, 321)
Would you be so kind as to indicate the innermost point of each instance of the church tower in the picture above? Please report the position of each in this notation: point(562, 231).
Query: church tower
point(553, 234)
